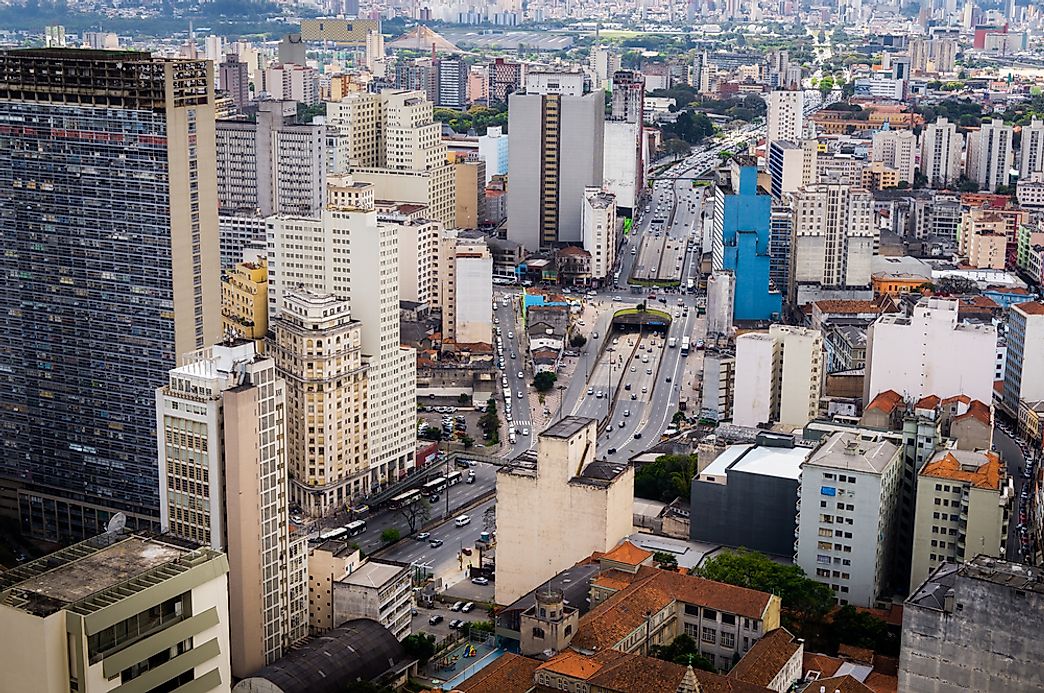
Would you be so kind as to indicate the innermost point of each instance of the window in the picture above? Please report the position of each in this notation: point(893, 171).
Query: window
point(709, 635)
point(538, 633)
point(728, 640)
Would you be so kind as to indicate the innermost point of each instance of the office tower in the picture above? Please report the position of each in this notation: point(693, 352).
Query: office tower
point(556, 130)
point(941, 149)
point(114, 611)
point(623, 165)
point(101, 40)
point(778, 376)
point(847, 544)
point(833, 238)
point(291, 82)
point(451, 76)
point(419, 253)
point(505, 78)
point(603, 63)
point(112, 274)
point(781, 226)
point(469, 184)
point(292, 50)
point(1031, 150)
point(963, 501)
point(234, 80)
point(990, 155)
point(418, 74)
point(493, 149)
point(221, 429)
point(353, 125)
point(598, 231)
point(897, 149)
point(740, 240)
point(54, 36)
point(1024, 366)
point(628, 101)
point(317, 347)
point(348, 253)
point(785, 116)
point(721, 296)
point(465, 280)
point(244, 301)
point(930, 353)
point(791, 165)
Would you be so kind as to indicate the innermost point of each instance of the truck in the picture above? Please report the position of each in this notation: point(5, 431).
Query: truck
point(672, 342)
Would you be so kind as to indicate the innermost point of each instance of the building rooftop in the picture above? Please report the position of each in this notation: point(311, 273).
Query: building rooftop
point(510, 673)
point(566, 427)
point(763, 460)
point(628, 554)
point(886, 401)
point(855, 451)
point(938, 588)
point(766, 658)
point(1031, 307)
point(373, 574)
point(979, 469)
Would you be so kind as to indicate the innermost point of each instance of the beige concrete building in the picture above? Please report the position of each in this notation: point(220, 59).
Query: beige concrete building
point(558, 505)
point(469, 176)
point(317, 347)
point(221, 433)
point(117, 613)
point(963, 502)
point(465, 274)
point(598, 231)
point(328, 562)
point(896, 149)
point(381, 591)
point(344, 192)
point(778, 376)
point(244, 302)
point(420, 246)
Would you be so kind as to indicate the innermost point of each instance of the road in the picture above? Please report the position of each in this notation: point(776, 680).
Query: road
point(1013, 453)
point(515, 357)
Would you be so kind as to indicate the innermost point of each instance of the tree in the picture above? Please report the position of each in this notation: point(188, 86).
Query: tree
point(489, 422)
point(676, 146)
point(420, 646)
point(463, 398)
point(415, 514)
point(544, 381)
point(391, 535)
point(826, 85)
point(902, 185)
point(666, 478)
point(467, 441)
point(577, 340)
point(665, 560)
point(431, 433)
point(682, 650)
point(861, 629)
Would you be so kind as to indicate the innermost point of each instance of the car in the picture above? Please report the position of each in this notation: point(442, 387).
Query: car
point(511, 335)
point(612, 451)
point(521, 374)
point(668, 378)
point(470, 605)
point(627, 412)
point(634, 369)
point(462, 520)
point(627, 387)
point(514, 355)
point(470, 479)
point(519, 395)
point(435, 543)
point(637, 435)
point(644, 389)
point(599, 394)
point(434, 498)
point(525, 431)
point(456, 623)
point(496, 321)
point(466, 550)
point(617, 298)
point(581, 323)
point(457, 606)
point(479, 581)
point(435, 619)
point(633, 396)
point(648, 371)
point(590, 390)
point(621, 424)
point(594, 335)
point(424, 536)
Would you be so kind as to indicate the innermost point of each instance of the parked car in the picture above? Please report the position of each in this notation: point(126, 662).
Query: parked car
point(424, 536)
point(457, 606)
point(468, 607)
point(435, 619)
point(480, 581)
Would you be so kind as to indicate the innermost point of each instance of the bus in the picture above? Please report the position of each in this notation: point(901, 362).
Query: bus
point(355, 527)
point(685, 346)
point(404, 499)
point(336, 533)
point(453, 478)
point(435, 485)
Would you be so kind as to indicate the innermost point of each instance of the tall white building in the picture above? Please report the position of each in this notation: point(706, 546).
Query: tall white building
point(291, 81)
point(990, 155)
point(930, 353)
point(833, 238)
point(1031, 149)
point(603, 63)
point(785, 117)
point(465, 286)
point(348, 253)
point(897, 149)
point(493, 148)
point(221, 434)
point(941, 150)
point(779, 376)
point(846, 519)
point(598, 230)
point(1024, 364)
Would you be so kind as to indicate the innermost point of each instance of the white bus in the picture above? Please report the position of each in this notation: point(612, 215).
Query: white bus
point(355, 527)
point(453, 478)
point(435, 485)
point(336, 533)
point(404, 499)
point(685, 345)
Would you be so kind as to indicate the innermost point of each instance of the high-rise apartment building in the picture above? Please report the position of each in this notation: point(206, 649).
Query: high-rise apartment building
point(990, 155)
point(791, 165)
point(348, 253)
point(781, 225)
point(847, 515)
point(291, 82)
point(418, 75)
point(244, 302)
point(963, 501)
point(465, 280)
point(785, 116)
point(354, 129)
point(1024, 365)
point(111, 257)
point(556, 130)
point(779, 376)
point(833, 239)
point(469, 183)
point(221, 429)
point(896, 149)
point(740, 240)
point(1031, 150)
point(136, 612)
point(234, 80)
point(623, 165)
point(493, 149)
point(451, 77)
point(505, 78)
point(604, 62)
point(598, 231)
point(317, 347)
point(941, 150)
point(930, 353)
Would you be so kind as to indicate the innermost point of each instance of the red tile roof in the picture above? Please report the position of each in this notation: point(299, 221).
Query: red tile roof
point(843, 684)
point(1031, 307)
point(628, 554)
point(824, 664)
point(766, 658)
point(510, 673)
point(886, 401)
point(977, 410)
point(928, 402)
point(987, 475)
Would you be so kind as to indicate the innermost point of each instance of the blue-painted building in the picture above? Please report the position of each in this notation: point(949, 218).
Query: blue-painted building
point(742, 220)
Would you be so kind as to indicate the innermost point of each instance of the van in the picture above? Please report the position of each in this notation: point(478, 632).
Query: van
point(462, 520)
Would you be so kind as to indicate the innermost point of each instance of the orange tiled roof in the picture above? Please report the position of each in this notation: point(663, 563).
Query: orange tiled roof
point(766, 658)
point(1031, 307)
point(573, 664)
point(886, 401)
point(977, 410)
point(944, 465)
point(843, 684)
point(510, 673)
point(824, 664)
point(611, 582)
point(928, 402)
point(628, 554)
point(847, 306)
point(860, 655)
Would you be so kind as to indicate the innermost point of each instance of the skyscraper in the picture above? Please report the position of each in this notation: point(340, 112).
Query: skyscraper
point(451, 77)
point(234, 80)
point(111, 273)
point(990, 155)
point(504, 78)
point(556, 131)
point(1024, 366)
point(898, 150)
point(941, 149)
point(1031, 151)
point(785, 116)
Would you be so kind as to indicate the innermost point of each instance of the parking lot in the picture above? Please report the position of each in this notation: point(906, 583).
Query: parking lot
point(422, 620)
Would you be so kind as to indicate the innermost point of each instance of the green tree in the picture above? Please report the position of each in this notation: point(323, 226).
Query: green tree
point(544, 381)
point(826, 85)
point(431, 433)
point(667, 561)
point(489, 422)
point(666, 478)
point(577, 340)
point(463, 398)
point(467, 441)
point(391, 535)
point(861, 629)
point(420, 646)
point(682, 650)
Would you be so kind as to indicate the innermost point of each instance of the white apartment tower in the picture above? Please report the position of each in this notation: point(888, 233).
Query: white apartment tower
point(990, 155)
point(941, 150)
point(779, 376)
point(318, 350)
point(897, 149)
point(930, 353)
point(1031, 151)
point(833, 239)
point(846, 518)
point(348, 253)
point(785, 117)
point(598, 230)
point(221, 431)
point(465, 286)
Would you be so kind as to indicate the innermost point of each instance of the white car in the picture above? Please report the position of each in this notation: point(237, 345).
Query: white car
point(525, 431)
point(590, 390)
point(511, 335)
point(521, 374)
point(519, 395)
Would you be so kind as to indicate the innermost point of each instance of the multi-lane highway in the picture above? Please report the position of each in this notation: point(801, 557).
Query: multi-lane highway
point(512, 351)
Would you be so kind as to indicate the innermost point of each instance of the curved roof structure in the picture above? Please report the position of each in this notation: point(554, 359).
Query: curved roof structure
point(360, 649)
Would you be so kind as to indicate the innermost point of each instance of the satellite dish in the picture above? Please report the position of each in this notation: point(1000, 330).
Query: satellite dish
point(116, 524)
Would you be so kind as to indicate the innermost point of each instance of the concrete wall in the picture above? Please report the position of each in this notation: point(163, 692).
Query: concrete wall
point(755, 354)
point(722, 514)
